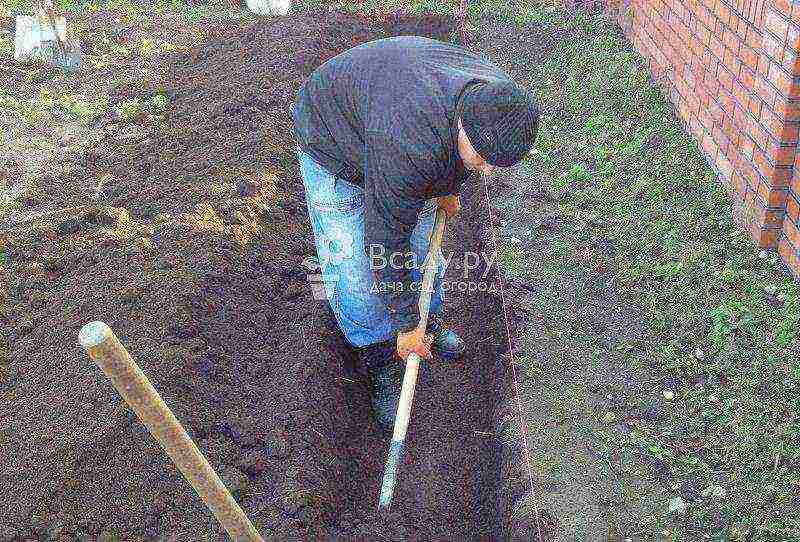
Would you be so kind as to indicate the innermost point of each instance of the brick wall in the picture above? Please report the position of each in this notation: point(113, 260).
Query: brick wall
point(732, 69)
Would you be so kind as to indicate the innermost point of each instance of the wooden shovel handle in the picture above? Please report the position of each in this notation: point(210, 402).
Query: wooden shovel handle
point(133, 385)
point(412, 368)
point(413, 360)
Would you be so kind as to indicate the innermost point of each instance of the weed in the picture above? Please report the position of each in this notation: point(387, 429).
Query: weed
point(129, 109)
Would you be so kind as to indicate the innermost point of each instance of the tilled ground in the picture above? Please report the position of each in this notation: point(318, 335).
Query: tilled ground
point(187, 238)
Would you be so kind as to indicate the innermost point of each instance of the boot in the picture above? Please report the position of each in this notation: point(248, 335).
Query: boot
point(385, 379)
point(446, 342)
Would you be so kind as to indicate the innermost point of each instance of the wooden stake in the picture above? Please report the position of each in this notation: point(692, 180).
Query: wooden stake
point(133, 385)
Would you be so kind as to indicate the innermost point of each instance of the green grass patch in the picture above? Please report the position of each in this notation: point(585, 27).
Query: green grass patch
point(623, 155)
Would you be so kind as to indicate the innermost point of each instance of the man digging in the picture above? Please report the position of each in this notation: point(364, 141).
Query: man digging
point(387, 132)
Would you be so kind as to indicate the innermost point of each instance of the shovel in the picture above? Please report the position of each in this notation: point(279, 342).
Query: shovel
point(412, 368)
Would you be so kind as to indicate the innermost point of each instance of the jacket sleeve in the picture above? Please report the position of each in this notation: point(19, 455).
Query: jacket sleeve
point(395, 177)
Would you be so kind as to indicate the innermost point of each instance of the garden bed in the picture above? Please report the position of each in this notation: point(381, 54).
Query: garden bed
point(178, 218)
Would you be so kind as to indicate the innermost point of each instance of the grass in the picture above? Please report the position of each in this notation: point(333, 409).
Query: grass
point(702, 284)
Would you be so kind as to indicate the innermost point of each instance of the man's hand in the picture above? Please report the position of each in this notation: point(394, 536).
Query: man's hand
point(414, 341)
point(450, 204)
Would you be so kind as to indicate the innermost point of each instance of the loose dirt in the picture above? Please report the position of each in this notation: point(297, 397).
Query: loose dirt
point(186, 236)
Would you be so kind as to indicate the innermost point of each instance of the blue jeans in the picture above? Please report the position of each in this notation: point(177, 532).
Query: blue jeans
point(336, 211)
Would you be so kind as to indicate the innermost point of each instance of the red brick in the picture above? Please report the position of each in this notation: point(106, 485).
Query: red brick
point(725, 77)
point(705, 121)
point(771, 218)
point(694, 103)
point(774, 198)
point(792, 35)
point(731, 41)
point(724, 13)
point(788, 109)
point(782, 81)
point(763, 67)
point(772, 47)
point(708, 58)
point(709, 146)
point(754, 105)
point(750, 57)
point(773, 22)
point(753, 38)
point(747, 168)
point(740, 116)
point(778, 127)
point(717, 47)
point(782, 155)
point(792, 207)
point(783, 6)
point(716, 110)
point(762, 163)
point(748, 78)
point(738, 181)
point(790, 61)
point(765, 91)
point(680, 28)
point(727, 100)
point(723, 142)
point(711, 82)
point(757, 132)
point(703, 34)
point(769, 237)
point(730, 60)
point(795, 13)
point(740, 93)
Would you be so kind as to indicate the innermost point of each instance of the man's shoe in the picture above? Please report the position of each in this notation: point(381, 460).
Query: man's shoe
point(385, 380)
point(446, 342)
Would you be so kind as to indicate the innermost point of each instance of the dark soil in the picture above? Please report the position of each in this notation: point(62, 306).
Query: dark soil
point(192, 253)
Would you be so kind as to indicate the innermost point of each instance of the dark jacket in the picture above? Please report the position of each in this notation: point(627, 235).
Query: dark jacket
point(384, 115)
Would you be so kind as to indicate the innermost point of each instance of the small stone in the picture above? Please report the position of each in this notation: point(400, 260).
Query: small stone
point(716, 492)
point(609, 417)
point(514, 240)
point(770, 289)
point(763, 254)
point(677, 505)
point(109, 534)
point(699, 354)
point(713, 399)
point(669, 395)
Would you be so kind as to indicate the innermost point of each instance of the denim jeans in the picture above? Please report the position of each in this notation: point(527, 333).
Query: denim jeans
point(336, 211)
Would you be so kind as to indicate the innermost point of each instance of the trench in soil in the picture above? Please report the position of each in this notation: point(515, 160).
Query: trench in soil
point(450, 474)
point(193, 258)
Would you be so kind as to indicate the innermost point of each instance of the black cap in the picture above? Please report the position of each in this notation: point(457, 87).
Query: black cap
point(501, 120)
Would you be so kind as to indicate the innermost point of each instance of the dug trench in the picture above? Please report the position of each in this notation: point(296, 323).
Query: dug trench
point(192, 253)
